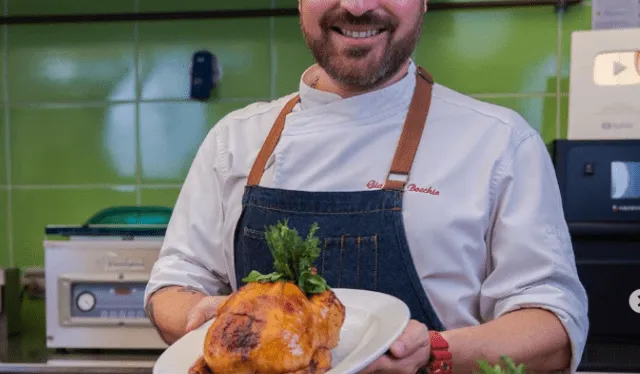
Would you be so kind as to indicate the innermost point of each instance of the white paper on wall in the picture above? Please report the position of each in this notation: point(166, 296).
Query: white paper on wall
point(615, 14)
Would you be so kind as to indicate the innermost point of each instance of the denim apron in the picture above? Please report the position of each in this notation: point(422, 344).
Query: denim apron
point(361, 233)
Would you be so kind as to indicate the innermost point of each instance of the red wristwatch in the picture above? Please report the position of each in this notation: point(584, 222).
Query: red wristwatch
point(440, 358)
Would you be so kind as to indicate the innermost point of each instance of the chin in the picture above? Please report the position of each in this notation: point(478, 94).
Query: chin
point(357, 73)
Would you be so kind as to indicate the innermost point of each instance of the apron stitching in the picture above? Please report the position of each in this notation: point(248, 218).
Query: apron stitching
point(325, 213)
point(340, 268)
point(375, 263)
point(358, 264)
point(255, 234)
point(426, 305)
point(323, 255)
point(245, 259)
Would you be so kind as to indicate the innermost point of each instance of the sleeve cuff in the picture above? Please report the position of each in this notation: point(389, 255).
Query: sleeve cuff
point(172, 271)
point(576, 330)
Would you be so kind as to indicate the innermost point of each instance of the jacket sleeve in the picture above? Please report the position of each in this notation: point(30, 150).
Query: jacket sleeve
point(532, 263)
point(192, 251)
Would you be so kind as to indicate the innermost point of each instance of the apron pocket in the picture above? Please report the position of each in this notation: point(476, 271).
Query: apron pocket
point(350, 262)
point(256, 254)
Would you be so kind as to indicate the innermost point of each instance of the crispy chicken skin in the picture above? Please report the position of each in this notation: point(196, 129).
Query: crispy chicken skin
point(272, 328)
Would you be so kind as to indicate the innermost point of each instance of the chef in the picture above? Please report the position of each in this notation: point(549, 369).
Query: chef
point(420, 192)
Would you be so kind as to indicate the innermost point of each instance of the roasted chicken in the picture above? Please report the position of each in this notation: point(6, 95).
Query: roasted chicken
point(286, 322)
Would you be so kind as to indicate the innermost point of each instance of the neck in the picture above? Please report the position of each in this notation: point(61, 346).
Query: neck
point(317, 78)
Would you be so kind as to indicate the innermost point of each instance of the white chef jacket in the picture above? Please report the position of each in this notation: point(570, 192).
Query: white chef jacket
point(482, 212)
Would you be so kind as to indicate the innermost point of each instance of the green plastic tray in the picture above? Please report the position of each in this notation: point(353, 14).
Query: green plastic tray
point(132, 215)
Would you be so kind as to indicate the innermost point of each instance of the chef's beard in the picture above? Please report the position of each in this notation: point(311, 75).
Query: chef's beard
point(338, 64)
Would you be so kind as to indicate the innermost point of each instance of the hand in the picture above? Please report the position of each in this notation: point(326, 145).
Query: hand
point(407, 354)
point(203, 311)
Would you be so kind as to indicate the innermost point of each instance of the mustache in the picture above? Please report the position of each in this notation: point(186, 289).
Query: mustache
point(345, 18)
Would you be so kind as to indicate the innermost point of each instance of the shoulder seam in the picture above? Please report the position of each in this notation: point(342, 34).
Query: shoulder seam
point(469, 107)
point(221, 162)
point(267, 106)
point(507, 162)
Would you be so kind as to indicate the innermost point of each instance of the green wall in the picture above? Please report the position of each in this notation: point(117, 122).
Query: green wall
point(97, 115)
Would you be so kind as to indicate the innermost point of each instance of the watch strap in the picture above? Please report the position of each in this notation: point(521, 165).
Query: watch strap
point(440, 360)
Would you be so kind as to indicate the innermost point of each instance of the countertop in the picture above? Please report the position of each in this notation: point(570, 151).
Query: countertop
point(27, 353)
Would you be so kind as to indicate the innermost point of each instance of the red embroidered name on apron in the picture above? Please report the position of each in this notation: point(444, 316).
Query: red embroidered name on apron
point(410, 188)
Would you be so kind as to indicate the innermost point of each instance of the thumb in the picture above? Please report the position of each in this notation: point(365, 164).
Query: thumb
point(203, 311)
point(415, 336)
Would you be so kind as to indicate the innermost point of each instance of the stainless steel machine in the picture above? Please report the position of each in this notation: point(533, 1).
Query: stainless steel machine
point(96, 275)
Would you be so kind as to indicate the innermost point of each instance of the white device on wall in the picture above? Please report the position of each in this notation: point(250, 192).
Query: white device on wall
point(604, 97)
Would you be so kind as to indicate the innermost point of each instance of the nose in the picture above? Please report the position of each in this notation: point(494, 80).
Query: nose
point(359, 7)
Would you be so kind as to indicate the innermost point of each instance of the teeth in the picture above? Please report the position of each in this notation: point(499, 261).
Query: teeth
point(360, 34)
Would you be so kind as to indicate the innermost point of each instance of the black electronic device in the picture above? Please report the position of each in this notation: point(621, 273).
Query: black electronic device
point(599, 182)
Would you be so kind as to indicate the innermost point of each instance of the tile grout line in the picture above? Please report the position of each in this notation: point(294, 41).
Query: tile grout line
point(136, 44)
point(272, 50)
point(72, 104)
point(87, 186)
point(7, 128)
point(514, 95)
point(559, 73)
point(89, 104)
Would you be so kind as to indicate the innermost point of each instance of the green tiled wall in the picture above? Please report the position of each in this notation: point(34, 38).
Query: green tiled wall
point(96, 115)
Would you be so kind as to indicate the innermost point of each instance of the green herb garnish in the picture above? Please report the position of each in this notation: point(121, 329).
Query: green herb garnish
point(511, 368)
point(293, 258)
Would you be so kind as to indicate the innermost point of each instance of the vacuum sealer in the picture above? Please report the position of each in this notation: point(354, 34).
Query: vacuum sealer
point(96, 275)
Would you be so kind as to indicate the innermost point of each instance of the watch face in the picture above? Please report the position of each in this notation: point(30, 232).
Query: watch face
point(617, 68)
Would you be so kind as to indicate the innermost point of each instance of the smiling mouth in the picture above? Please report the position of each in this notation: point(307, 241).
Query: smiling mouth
point(358, 34)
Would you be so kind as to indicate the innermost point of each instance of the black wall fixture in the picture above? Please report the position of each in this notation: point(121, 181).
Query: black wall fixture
point(253, 13)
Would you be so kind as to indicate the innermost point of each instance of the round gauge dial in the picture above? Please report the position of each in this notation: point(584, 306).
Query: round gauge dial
point(86, 301)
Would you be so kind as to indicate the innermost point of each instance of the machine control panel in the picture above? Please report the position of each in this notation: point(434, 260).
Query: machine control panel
point(102, 300)
point(108, 301)
point(599, 180)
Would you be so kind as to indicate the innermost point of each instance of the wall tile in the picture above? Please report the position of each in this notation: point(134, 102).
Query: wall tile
point(564, 117)
point(241, 47)
point(34, 209)
point(159, 196)
point(290, 42)
point(540, 112)
point(2, 50)
point(73, 145)
point(187, 5)
point(286, 3)
point(4, 236)
point(3, 149)
point(217, 110)
point(39, 7)
point(577, 18)
point(171, 133)
point(71, 62)
point(491, 51)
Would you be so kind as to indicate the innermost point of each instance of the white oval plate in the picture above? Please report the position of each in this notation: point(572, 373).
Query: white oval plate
point(373, 321)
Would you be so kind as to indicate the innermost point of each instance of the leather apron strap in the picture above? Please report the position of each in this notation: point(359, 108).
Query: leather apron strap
point(405, 151)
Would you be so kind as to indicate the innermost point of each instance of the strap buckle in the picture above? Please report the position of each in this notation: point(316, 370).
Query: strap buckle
point(395, 184)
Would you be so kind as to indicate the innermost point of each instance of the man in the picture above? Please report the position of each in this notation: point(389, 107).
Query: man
point(450, 204)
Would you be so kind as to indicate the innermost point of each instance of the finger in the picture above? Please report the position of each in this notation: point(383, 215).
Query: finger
point(381, 365)
point(202, 312)
point(414, 337)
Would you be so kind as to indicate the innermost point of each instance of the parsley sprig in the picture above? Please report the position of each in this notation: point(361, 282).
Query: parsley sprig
point(293, 258)
point(510, 367)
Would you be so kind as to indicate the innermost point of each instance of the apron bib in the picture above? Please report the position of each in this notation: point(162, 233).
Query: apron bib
point(362, 235)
